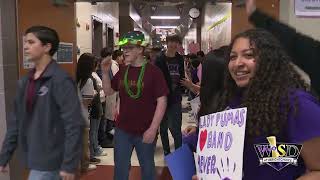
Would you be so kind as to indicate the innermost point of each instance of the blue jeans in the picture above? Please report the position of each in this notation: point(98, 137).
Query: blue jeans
point(93, 137)
point(124, 144)
point(44, 175)
point(172, 120)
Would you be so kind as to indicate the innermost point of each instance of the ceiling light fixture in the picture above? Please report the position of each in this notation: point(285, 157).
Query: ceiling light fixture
point(165, 27)
point(165, 17)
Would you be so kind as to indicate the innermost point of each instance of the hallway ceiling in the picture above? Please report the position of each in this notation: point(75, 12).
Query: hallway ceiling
point(147, 8)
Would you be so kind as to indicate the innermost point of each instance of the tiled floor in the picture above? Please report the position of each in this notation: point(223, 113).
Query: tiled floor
point(105, 168)
point(106, 173)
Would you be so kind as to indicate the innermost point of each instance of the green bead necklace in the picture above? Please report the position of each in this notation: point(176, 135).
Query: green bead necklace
point(139, 83)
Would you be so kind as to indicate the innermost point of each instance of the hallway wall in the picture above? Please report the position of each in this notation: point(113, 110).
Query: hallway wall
point(8, 76)
point(2, 100)
point(213, 33)
point(307, 25)
point(240, 19)
point(221, 34)
point(107, 12)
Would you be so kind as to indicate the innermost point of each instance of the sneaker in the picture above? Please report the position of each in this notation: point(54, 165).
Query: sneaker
point(92, 167)
point(112, 132)
point(94, 161)
point(88, 168)
point(102, 153)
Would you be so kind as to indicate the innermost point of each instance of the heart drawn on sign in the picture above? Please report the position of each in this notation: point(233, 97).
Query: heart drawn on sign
point(203, 139)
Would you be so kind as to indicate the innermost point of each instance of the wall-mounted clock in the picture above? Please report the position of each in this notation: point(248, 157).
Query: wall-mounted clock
point(194, 13)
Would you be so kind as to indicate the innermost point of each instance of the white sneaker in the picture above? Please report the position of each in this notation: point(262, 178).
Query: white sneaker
point(92, 167)
point(103, 153)
point(112, 132)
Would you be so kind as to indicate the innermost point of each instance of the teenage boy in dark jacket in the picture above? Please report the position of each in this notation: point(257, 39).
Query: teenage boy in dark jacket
point(304, 51)
point(171, 64)
point(46, 123)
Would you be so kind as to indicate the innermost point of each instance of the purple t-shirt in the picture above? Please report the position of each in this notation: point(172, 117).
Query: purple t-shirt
point(173, 68)
point(301, 127)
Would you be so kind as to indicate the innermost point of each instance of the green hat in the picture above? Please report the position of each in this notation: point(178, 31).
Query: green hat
point(133, 38)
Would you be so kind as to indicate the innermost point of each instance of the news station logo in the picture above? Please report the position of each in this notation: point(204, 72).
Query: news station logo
point(278, 155)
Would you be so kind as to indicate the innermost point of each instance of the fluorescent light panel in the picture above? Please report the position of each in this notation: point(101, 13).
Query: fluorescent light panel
point(165, 27)
point(165, 17)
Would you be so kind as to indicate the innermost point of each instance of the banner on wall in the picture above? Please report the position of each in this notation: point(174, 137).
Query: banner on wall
point(141, 6)
point(220, 145)
point(224, 19)
point(307, 7)
point(180, 8)
point(153, 9)
point(165, 31)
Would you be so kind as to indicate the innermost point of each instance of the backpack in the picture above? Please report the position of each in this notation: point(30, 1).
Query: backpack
point(96, 110)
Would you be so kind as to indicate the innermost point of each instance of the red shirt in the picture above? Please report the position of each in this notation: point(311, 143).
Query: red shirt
point(136, 115)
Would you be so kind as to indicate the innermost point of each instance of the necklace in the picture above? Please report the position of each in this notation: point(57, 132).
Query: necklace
point(139, 83)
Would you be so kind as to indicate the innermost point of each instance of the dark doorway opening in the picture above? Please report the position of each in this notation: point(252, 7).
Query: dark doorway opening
point(109, 38)
point(97, 36)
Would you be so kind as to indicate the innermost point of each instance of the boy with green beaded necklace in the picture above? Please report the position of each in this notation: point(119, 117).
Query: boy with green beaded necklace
point(142, 90)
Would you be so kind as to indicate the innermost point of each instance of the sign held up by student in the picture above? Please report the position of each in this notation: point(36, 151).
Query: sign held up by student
point(220, 145)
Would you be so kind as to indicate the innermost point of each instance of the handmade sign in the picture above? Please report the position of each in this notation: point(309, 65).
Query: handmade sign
point(220, 145)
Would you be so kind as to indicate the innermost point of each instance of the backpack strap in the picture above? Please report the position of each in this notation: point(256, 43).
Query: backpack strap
point(95, 85)
point(110, 74)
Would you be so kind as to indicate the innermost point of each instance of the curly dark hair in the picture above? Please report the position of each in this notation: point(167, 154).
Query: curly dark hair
point(267, 94)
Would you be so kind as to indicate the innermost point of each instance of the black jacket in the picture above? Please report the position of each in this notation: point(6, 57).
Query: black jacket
point(162, 64)
point(304, 51)
point(49, 138)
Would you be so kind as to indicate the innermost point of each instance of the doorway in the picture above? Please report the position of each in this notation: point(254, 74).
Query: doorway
point(109, 38)
point(97, 36)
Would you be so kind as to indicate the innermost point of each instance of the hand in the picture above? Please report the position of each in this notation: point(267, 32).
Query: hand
point(67, 176)
point(186, 83)
point(149, 136)
point(189, 130)
point(195, 177)
point(106, 65)
point(250, 6)
point(3, 169)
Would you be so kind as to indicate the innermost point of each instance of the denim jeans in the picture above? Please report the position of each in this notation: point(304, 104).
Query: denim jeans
point(93, 137)
point(124, 144)
point(102, 127)
point(44, 175)
point(172, 120)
